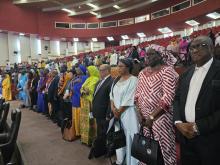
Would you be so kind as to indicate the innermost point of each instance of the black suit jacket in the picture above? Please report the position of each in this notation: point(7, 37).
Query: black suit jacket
point(207, 109)
point(53, 89)
point(101, 101)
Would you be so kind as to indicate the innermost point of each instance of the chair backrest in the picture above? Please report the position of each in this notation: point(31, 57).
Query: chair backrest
point(2, 100)
point(3, 119)
point(9, 147)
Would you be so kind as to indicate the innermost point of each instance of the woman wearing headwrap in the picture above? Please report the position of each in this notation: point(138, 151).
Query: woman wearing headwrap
point(76, 86)
point(6, 88)
point(40, 96)
point(87, 122)
point(154, 95)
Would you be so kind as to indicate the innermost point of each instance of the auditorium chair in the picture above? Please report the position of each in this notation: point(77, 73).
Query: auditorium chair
point(3, 118)
point(2, 100)
point(8, 139)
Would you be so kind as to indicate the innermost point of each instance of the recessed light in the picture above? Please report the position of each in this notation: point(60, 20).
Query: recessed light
point(213, 15)
point(124, 37)
point(110, 38)
point(192, 23)
point(21, 34)
point(75, 39)
point(141, 35)
point(94, 39)
point(165, 30)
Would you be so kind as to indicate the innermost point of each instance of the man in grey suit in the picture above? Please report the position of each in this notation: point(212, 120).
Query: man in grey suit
point(197, 106)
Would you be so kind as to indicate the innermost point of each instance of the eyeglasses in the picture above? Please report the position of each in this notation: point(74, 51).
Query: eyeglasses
point(197, 47)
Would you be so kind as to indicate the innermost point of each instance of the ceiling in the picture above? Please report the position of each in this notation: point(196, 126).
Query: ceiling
point(100, 8)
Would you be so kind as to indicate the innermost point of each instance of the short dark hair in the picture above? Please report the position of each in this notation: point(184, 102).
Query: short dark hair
point(128, 63)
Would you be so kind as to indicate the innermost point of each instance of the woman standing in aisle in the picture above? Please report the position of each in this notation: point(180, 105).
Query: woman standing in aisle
point(122, 105)
point(76, 86)
point(87, 122)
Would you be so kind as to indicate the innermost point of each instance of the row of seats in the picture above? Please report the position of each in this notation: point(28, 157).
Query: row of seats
point(8, 134)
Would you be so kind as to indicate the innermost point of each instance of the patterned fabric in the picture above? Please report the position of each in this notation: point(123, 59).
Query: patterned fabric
point(157, 89)
point(76, 112)
point(6, 88)
point(87, 124)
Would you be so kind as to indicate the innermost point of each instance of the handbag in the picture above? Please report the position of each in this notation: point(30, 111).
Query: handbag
point(115, 139)
point(68, 130)
point(146, 149)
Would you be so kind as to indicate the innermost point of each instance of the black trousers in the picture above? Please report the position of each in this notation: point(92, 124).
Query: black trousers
point(102, 126)
point(33, 95)
point(200, 152)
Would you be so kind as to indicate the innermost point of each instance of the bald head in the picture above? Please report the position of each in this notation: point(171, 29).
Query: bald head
point(204, 39)
point(105, 70)
point(201, 50)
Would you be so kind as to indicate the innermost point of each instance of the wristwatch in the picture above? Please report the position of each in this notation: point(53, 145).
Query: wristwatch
point(195, 129)
point(151, 117)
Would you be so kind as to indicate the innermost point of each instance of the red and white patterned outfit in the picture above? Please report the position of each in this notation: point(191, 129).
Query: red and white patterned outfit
point(157, 89)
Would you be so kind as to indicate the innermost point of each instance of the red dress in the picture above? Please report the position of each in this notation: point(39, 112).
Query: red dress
point(157, 89)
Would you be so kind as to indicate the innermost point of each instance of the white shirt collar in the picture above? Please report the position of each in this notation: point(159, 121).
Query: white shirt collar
point(206, 66)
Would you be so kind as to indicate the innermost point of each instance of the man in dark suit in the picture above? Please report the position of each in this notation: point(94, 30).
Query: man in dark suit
point(53, 102)
point(197, 106)
point(101, 108)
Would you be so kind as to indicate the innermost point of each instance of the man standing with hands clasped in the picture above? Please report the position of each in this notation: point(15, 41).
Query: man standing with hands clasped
point(197, 106)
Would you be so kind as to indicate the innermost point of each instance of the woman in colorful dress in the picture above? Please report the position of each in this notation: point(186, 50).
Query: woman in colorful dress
point(123, 108)
point(76, 86)
point(154, 95)
point(40, 89)
point(6, 88)
point(87, 122)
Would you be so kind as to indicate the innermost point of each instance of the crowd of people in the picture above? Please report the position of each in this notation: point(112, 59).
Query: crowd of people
point(148, 92)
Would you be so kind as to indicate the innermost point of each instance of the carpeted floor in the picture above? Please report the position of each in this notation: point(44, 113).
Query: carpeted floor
point(41, 143)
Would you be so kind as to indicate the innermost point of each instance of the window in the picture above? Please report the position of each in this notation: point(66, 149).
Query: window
point(62, 25)
point(108, 24)
point(160, 13)
point(78, 25)
point(181, 6)
point(124, 22)
point(195, 2)
point(92, 25)
point(142, 18)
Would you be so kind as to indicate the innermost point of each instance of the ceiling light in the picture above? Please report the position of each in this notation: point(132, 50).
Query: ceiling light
point(124, 37)
point(116, 6)
point(165, 30)
point(21, 34)
point(213, 15)
point(110, 38)
point(94, 39)
point(46, 38)
point(141, 35)
point(68, 11)
point(92, 5)
point(192, 23)
point(91, 12)
point(75, 39)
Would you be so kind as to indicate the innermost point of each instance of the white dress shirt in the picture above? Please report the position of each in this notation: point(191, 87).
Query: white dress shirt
point(194, 89)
